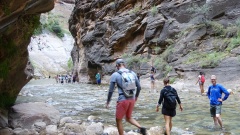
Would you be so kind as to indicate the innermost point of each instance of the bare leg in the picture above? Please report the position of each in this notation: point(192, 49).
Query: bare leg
point(133, 122)
point(168, 124)
point(219, 120)
point(215, 121)
point(119, 126)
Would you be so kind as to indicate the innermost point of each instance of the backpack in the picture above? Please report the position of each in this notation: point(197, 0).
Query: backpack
point(128, 83)
point(202, 78)
point(170, 99)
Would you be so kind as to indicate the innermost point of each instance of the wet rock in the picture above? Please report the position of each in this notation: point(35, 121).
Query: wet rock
point(74, 128)
point(20, 131)
point(111, 130)
point(97, 128)
point(6, 131)
point(51, 130)
point(65, 120)
point(26, 114)
point(155, 131)
point(40, 127)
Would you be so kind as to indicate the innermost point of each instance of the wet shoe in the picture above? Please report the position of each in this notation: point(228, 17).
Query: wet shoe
point(143, 131)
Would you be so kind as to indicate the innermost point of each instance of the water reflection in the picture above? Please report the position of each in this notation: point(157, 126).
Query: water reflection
point(82, 100)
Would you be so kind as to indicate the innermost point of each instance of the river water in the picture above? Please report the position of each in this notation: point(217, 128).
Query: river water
point(82, 100)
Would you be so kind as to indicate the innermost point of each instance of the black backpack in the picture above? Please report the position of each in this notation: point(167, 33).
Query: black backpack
point(170, 98)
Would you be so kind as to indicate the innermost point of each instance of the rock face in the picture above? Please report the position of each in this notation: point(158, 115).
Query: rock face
point(18, 19)
point(168, 33)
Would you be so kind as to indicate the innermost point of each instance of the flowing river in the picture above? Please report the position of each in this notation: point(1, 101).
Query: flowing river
point(82, 100)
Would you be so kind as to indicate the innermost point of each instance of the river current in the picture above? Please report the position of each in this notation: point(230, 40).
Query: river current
point(82, 100)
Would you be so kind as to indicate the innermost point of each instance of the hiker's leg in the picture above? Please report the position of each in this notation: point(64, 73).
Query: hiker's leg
point(133, 122)
point(167, 123)
point(218, 115)
point(129, 114)
point(170, 124)
point(119, 126)
point(120, 113)
point(201, 88)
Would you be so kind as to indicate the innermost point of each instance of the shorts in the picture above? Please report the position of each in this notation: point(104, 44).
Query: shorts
point(168, 112)
point(125, 108)
point(215, 109)
point(152, 81)
point(98, 81)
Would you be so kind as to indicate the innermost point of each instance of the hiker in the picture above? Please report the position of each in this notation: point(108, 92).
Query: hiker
point(98, 78)
point(152, 79)
point(153, 69)
point(215, 96)
point(200, 81)
point(125, 105)
point(168, 94)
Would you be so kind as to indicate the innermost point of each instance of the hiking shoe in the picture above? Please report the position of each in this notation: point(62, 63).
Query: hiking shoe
point(143, 131)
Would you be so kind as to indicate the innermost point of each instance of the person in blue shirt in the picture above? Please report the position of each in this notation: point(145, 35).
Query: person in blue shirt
point(98, 78)
point(215, 96)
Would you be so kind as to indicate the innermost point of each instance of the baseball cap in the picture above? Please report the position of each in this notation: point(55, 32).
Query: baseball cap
point(213, 77)
point(119, 61)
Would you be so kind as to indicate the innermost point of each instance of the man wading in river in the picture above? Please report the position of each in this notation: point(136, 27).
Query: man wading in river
point(125, 103)
point(215, 96)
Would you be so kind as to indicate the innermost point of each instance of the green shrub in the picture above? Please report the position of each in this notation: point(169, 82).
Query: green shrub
point(51, 23)
point(172, 80)
point(205, 59)
point(234, 42)
point(154, 10)
point(199, 10)
point(217, 28)
point(70, 64)
point(134, 61)
point(238, 23)
point(135, 10)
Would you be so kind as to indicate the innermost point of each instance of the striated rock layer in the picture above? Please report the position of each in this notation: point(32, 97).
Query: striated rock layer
point(18, 19)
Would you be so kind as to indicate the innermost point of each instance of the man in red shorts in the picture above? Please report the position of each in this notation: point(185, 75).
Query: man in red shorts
point(125, 104)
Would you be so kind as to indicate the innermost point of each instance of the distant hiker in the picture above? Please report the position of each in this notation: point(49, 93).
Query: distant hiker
point(74, 78)
point(201, 81)
point(125, 104)
point(56, 78)
point(98, 78)
point(152, 79)
point(153, 69)
point(29, 70)
point(168, 96)
point(215, 96)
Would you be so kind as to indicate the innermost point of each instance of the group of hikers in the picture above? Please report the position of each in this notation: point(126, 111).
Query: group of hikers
point(127, 81)
point(65, 79)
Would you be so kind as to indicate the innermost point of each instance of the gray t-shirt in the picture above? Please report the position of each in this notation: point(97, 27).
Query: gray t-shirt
point(117, 79)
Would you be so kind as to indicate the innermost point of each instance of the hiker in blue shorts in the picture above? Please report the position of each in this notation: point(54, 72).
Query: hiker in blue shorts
point(168, 96)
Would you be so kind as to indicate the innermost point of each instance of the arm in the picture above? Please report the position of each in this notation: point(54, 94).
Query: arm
point(110, 92)
point(179, 101)
point(225, 92)
point(197, 80)
point(160, 100)
point(208, 93)
point(138, 88)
